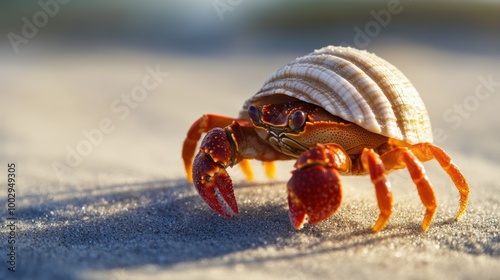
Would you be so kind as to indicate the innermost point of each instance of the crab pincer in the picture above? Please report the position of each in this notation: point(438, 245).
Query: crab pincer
point(210, 176)
point(315, 191)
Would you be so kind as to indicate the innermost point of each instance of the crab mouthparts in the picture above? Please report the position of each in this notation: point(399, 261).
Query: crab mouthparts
point(286, 145)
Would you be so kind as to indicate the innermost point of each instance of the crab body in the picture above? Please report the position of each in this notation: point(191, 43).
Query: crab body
point(335, 111)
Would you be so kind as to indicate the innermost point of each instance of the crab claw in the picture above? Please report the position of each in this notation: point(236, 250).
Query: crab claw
point(210, 176)
point(314, 191)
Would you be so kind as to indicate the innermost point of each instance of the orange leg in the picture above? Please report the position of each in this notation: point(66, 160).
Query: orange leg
point(200, 126)
point(403, 156)
point(246, 168)
point(427, 151)
point(372, 162)
point(270, 169)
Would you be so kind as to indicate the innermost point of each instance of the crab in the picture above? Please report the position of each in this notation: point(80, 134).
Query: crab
point(283, 121)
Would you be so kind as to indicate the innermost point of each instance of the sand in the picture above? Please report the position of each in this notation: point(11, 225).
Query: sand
point(101, 193)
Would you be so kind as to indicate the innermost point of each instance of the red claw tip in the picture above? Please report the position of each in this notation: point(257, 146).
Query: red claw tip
point(214, 185)
point(297, 212)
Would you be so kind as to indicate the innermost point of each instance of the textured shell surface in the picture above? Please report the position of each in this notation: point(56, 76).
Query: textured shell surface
point(355, 85)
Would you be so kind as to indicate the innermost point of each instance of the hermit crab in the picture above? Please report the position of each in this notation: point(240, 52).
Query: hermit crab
point(336, 111)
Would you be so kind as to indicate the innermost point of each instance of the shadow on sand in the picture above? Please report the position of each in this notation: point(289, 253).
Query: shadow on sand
point(164, 223)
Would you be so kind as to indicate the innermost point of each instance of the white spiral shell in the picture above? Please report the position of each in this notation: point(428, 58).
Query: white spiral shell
point(355, 85)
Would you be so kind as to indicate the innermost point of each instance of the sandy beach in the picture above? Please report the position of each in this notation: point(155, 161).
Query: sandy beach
point(96, 99)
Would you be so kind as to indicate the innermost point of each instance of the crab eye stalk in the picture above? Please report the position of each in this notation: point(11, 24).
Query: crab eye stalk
point(297, 119)
point(254, 114)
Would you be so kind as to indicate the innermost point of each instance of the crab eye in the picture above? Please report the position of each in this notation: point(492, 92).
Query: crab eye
point(298, 119)
point(254, 113)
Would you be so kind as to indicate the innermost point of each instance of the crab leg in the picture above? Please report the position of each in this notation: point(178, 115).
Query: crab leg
point(246, 168)
point(427, 151)
point(372, 162)
point(404, 156)
point(270, 169)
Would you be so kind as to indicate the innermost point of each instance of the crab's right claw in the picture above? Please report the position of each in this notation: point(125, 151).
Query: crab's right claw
point(210, 176)
point(315, 191)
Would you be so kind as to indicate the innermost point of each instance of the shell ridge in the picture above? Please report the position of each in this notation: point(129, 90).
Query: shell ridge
point(295, 74)
point(322, 74)
point(370, 96)
point(291, 86)
point(379, 73)
point(410, 126)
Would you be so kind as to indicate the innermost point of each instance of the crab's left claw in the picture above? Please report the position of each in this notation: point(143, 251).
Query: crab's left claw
point(210, 176)
point(314, 191)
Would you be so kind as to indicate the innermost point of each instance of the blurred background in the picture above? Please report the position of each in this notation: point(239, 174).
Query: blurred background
point(68, 66)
